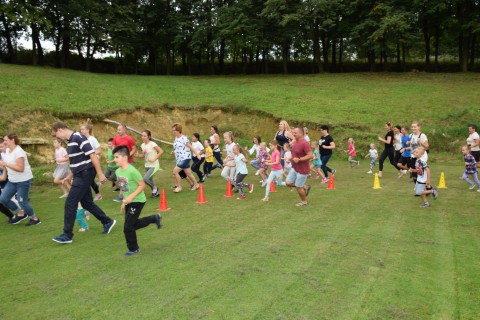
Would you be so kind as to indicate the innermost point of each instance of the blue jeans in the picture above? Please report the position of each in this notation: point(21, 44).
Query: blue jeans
point(22, 189)
point(324, 167)
point(80, 192)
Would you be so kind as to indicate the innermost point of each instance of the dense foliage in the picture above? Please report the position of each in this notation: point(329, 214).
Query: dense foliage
point(243, 36)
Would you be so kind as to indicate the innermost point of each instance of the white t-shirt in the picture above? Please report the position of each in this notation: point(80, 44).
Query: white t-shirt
point(181, 150)
point(198, 147)
point(415, 144)
point(256, 148)
point(397, 142)
point(150, 153)
point(241, 166)
point(288, 163)
point(471, 140)
point(11, 157)
point(229, 148)
point(94, 142)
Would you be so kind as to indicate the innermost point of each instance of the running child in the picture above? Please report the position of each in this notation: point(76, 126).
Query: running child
point(208, 164)
point(287, 158)
point(241, 171)
point(422, 186)
point(316, 165)
point(352, 153)
point(274, 162)
point(373, 154)
point(470, 169)
point(262, 157)
point(132, 185)
point(111, 166)
point(151, 152)
point(62, 169)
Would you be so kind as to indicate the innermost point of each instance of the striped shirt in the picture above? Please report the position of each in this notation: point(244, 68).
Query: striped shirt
point(79, 150)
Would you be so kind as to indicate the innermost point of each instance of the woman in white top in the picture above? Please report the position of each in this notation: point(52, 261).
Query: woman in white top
point(19, 181)
point(473, 141)
point(182, 148)
point(397, 144)
point(228, 172)
point(151, 152)
point(86, 130)
point(198, 146)
point(215, 145)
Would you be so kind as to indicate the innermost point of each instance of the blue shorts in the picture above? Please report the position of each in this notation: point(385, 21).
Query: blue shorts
point(184, 164)
point(296, 178)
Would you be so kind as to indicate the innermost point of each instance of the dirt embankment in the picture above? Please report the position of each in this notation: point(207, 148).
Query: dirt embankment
point(37, 126)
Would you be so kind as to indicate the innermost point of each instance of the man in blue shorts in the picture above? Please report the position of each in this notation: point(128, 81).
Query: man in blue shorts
point(301, 156)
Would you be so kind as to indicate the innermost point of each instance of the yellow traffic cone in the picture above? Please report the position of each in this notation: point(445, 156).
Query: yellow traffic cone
point(376, 182)
point(441, 184)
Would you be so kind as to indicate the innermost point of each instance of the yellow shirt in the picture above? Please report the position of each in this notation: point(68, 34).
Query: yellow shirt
point(208, 154)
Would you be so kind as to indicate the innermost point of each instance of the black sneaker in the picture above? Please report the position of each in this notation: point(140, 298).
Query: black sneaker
point(174, 187)
point(62, 239)
point(131, 253)
point(16, 219)
point(108, 226)
point(335, 171)
point(33, 222)
point(158, 221)
point(155, 194)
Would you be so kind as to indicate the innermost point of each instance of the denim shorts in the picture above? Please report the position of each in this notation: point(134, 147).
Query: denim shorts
point(184, 164)
point(296, 178)
point(419, 188)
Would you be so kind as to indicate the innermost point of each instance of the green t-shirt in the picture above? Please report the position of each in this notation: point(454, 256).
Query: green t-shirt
point(110, 157)
point(129, 179)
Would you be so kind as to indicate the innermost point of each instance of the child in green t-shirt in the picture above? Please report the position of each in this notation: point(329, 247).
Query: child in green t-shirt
point(111, 166)
point(132, 185)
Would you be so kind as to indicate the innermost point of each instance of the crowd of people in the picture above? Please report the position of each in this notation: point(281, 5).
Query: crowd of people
point(289, 160)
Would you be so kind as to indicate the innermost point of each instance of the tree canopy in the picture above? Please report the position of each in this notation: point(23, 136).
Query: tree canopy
point(244, 36)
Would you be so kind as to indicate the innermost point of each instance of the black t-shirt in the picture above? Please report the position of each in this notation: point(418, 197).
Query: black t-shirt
point(325, 141)
point(389, 145)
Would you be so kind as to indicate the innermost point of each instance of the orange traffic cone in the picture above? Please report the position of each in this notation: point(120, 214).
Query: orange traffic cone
point(228, 192)
point(163, 202)
point(272, 187)
point(201, 195)
point(331, 183)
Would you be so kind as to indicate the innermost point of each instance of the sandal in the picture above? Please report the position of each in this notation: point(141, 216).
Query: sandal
point(301, 204)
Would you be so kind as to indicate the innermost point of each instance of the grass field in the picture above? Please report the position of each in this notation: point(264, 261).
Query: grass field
point(353, 253)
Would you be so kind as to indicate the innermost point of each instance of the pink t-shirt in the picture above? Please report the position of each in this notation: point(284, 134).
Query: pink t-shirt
point(276, 157)
point(351, 150)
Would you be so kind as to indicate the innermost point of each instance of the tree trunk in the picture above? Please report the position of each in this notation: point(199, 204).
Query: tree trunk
point(472, 52)
point(325, 46)
point(333, 67)
point(436, 44)
point(36, 46)
point(463, 50)
point(10, 57)
point(317, 63)
point(285, 55)
point(340, 56)
point(221, 55)
point(426, 39)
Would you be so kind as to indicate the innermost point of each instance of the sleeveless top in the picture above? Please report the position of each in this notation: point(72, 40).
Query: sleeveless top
point(281, 138)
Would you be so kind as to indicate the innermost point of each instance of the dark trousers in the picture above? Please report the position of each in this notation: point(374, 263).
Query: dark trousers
point(94, 185)
point(218, 157)
point(80, 192)
point(324, 167)
point(133, 223)
point(207, 167)
point(397, 157)
point(390, 153)
point(196, 167)
point(5, 210)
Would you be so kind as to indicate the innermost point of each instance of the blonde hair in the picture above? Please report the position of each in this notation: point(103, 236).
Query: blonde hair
point(229, 134)
point(285, 125)
point(240, 149)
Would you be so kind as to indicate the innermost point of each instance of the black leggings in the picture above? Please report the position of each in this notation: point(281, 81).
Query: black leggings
point(196, 167)
point(5, 210)
point(387, 152)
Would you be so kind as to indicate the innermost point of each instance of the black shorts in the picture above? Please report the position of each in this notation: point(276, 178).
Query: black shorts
point(404, 161)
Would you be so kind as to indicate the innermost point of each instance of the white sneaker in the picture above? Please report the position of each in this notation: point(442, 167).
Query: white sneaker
point(256, 173)
point(370, 171)
point(472, 187)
